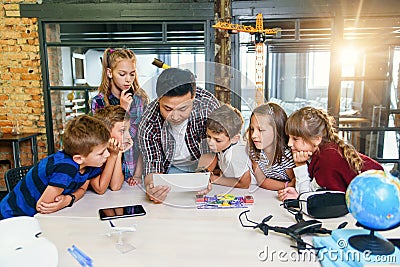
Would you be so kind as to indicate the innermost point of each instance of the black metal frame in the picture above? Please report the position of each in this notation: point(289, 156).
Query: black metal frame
point(142, 13)
point(203, 11)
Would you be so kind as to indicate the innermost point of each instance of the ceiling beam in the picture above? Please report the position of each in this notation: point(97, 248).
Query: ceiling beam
point(119, 12)
point(313, 8)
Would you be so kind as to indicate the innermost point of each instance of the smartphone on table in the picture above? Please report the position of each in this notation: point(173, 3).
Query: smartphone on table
point(121, 212)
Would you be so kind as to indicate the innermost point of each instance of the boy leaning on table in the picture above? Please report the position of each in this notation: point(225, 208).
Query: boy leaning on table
point(60, 179)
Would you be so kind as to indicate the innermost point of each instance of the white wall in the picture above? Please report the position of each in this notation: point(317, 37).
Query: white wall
point(66, 66)
point(93, 67)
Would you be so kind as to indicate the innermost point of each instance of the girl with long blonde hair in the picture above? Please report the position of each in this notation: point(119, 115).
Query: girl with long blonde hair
point(120, 86)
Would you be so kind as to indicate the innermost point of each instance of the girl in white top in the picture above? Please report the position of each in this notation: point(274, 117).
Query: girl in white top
point(223, 136)
point(272, 161)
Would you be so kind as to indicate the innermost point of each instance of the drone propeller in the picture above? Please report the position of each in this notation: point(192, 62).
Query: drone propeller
point(266, 219)
point(342, 225)
point(327, 231)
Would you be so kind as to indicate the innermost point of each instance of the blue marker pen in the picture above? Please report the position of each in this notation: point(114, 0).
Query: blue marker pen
point(87, 259)
point(77, 257)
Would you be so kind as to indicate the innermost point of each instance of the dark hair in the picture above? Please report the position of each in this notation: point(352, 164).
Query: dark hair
point(175, 82)
point(82, 134)
point(225, 119)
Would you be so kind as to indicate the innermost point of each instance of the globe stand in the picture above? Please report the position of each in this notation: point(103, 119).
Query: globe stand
point(376, 245)
point(372, 243)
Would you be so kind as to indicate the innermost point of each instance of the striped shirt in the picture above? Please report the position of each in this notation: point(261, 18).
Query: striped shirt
point(157, 143)
point(57, 170)
point(276, 171)
point(130, 157)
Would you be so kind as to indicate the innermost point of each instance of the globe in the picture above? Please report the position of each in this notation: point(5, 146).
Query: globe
point(373, 198)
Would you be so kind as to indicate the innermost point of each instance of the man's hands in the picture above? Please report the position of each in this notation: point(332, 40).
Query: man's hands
point(158, 193)
point(205, 191)
point(213, 177)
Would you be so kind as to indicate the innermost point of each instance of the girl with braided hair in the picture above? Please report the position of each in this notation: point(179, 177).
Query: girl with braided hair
point(120, 86)
point(323, 160)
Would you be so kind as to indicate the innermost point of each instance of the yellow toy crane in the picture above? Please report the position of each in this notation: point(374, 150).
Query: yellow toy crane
point(260, 35)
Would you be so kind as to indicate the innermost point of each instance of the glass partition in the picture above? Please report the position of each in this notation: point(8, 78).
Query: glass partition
point(74, 52)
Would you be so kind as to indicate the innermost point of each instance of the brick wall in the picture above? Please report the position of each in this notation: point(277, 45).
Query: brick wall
point(21, 93)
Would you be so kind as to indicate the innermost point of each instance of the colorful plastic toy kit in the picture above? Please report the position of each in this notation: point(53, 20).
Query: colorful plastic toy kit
point(223, 201)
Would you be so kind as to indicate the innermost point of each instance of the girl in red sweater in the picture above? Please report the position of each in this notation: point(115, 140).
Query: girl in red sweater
point(323, 160)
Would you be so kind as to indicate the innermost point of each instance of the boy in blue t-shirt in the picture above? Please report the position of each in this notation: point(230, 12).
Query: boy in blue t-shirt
point(59, 180)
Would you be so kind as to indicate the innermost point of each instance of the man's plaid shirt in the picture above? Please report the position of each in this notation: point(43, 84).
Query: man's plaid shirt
point(158, 145)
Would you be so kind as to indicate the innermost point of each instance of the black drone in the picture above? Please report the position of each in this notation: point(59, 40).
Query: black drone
point(294, 231)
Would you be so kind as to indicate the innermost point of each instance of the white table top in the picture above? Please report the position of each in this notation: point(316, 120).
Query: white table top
point(176, 233)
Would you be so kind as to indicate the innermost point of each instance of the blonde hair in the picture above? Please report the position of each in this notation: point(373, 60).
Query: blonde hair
point(111, 57)
point(309, 122)
point(277, 118)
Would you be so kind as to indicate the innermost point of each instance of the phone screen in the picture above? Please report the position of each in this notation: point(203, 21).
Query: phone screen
point(121, 212)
